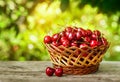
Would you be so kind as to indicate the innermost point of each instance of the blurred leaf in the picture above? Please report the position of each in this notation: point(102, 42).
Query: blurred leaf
point(106, 6)
point(64, 5)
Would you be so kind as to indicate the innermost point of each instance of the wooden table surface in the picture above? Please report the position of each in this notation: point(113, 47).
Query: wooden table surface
point(34, 71)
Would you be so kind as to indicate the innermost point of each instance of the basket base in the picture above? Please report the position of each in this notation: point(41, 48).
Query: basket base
point(79, 70)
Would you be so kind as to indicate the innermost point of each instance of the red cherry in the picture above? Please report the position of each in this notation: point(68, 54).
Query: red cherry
point(87, 39)
point(83, 46)
point(89, 32)
point(63, 39)
point(62, 33)
point(67, 34)
point(55, 43)
point(96, 32)
point(47, 39)
point(94, 36)
point(66, 43)
point(83, 31)
point(104, 41)
point(99, 43)
point(80, 29)
point(50, 71)
point(59, 72)
point(75, 29)
point(93, 43)
point(71, 36)
point(74, 44)
point(69, 29)
point(78, 35)
point(55, 37)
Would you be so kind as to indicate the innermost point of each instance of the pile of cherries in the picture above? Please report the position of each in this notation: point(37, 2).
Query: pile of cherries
point(79, 37)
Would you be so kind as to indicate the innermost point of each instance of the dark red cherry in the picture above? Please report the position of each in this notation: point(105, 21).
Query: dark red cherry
point(80, 29)
point(71, 36)
point(63, 39)
point(78, 35)
point(74, 44)
point(97, 32)
point(87, 39)
point(89, 32)
point(69, 29)
point(67, 34)
point(83, 31)
point(99, 43)
point(50, 71)
point(66, 43)
point(62, 33)
point(83, 46)
point(47, 39)
point(55, 43)
point(104, 41)
point(59, 72)
point(55, 37)
point(93, 43)
point(94, 36)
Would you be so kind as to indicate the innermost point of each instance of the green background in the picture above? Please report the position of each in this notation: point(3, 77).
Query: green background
point(24, 23)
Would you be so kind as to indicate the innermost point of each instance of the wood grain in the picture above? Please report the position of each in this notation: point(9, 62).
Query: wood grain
point(34, 71)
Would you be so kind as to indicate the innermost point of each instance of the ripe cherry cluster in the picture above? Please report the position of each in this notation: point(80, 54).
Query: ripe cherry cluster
point(79, 37)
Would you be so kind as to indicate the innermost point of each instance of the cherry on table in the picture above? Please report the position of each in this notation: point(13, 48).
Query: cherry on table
point(50, 71)
point(59, 72)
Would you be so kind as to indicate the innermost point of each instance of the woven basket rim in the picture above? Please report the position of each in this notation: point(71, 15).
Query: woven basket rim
point(108, 45)
point(52, 49)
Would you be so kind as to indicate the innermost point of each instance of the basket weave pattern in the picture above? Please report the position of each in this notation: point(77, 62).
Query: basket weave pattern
point(73, 61)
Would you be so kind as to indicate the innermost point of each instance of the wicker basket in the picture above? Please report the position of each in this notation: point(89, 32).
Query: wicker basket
point(75, 60)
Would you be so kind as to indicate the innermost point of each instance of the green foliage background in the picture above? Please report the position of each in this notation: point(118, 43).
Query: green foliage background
point(24, 23)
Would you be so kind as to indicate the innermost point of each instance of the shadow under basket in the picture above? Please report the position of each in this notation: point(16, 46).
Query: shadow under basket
point(75, 60)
